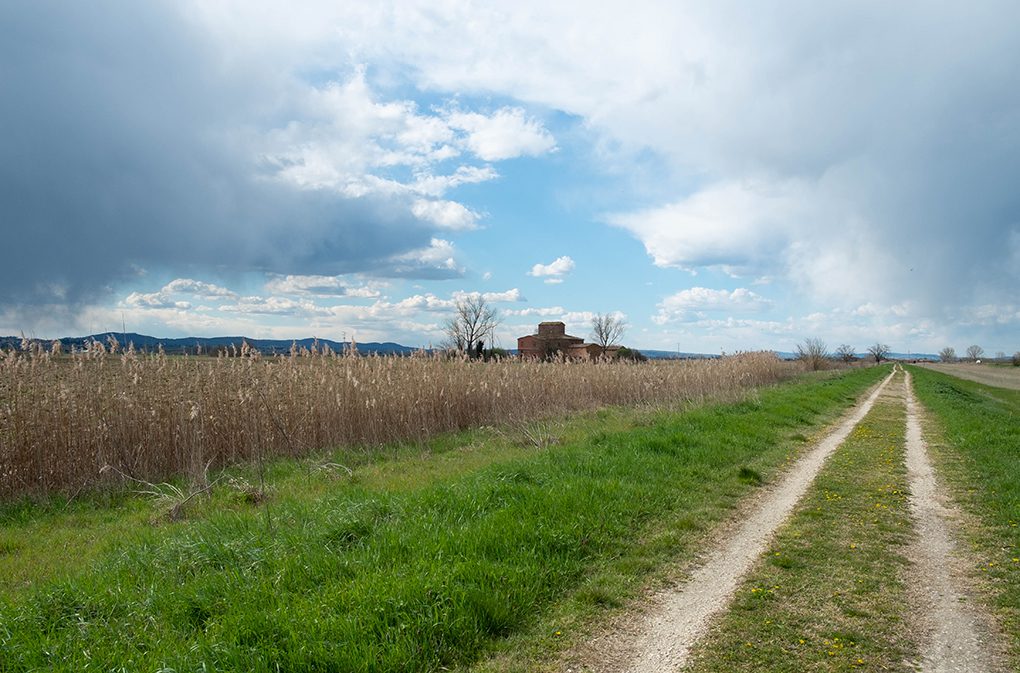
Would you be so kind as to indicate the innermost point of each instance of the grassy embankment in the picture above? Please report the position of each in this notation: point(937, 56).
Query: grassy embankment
point(408, 564)
point(829, 594)
point(974, 438)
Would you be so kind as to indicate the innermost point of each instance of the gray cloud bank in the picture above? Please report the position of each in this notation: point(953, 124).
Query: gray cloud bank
point(124, 146)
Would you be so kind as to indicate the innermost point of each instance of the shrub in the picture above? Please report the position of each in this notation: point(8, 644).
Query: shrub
point(813, 353)
point(632, 354)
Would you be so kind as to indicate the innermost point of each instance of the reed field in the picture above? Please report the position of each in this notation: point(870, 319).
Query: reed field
point(70, 421)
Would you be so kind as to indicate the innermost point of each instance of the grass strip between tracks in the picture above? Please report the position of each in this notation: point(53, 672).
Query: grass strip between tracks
point(829, 593)
point(363, 577)
point(974, 437)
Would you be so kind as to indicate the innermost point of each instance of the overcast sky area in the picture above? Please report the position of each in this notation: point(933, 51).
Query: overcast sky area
point(727, 176)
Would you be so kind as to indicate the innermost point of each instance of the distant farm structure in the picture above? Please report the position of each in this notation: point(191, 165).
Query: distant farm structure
point(552, 339)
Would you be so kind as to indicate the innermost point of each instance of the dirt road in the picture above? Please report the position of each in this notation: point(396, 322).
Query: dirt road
point(953, 632)
point(661, 639)
point(956, 631)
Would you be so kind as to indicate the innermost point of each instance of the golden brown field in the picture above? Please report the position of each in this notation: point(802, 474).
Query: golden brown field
point(990, 375)
point(63, 417)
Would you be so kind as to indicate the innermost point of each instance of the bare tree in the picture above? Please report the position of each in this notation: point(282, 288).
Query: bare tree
point(947, 354)
point(845, 352)
point(975, 352)
point(813, 352)
point(607, 329)
point(879, 352)
point(474, 321)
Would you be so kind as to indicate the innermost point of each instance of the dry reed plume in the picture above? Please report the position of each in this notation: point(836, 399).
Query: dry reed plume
point(63, 417)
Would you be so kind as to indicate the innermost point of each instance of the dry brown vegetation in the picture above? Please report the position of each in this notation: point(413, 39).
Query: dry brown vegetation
point(64, 417)
point(990, 375)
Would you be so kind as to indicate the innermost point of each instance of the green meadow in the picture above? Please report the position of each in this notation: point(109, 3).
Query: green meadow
point(413, 557)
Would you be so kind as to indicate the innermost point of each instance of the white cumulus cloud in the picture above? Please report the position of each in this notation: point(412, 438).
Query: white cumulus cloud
point(740, 227)
point(511, 295)
point(445, 214)
point(693, 303)
point(555, 271)
point(543, 312)
point(153, 300)
point(505, 134)
point(278, 306)
point(198, 288)
point(436, 261)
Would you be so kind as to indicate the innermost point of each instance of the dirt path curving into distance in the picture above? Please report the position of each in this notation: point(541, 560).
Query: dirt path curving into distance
point(956, 634)
point(661, 639)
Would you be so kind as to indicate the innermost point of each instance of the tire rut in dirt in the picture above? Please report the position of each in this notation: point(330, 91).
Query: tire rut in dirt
point(677, 619)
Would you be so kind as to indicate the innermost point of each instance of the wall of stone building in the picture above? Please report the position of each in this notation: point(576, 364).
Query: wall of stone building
point(564, 344)
point(585, 351)
point(551, 330)
point(529, 346)
point(552, 337)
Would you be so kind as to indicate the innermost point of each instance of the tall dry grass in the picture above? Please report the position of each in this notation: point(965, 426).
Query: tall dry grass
point(63, 417)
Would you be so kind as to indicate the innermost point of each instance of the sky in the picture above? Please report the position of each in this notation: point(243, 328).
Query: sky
point(725, 176)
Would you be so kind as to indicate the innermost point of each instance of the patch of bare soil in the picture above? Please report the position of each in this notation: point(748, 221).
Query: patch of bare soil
point(990, 375)
point(660, 637)
point(956, 634)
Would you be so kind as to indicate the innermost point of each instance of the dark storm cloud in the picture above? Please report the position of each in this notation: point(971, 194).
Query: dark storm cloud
point(124, 146)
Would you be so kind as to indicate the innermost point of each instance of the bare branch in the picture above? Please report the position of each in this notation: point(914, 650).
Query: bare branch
point(474, 321)
point(845, 352)
point(607, 330)
point(813, 352)
point(879, 351)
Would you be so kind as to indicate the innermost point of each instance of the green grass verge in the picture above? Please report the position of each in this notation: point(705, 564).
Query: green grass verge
point(829, 594)
point(376, 574)
point(973, 433)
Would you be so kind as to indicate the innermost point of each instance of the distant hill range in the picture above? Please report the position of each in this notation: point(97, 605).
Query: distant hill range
point(676, 355)
point(207, 345)
point(143, 342)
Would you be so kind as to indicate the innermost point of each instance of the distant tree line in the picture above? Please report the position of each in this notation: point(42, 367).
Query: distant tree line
point(815, 354)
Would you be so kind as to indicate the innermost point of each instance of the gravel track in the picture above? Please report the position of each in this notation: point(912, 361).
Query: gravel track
point(661, 639)
point(955, 632)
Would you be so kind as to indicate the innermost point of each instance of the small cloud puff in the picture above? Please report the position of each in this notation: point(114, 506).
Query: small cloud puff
point(554, 271)
point(445, 214)
point(505, 134)
point(436, 262)
point(510, 296)
point(198, 288)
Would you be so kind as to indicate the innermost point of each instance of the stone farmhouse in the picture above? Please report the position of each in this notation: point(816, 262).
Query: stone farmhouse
point(552, 339)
